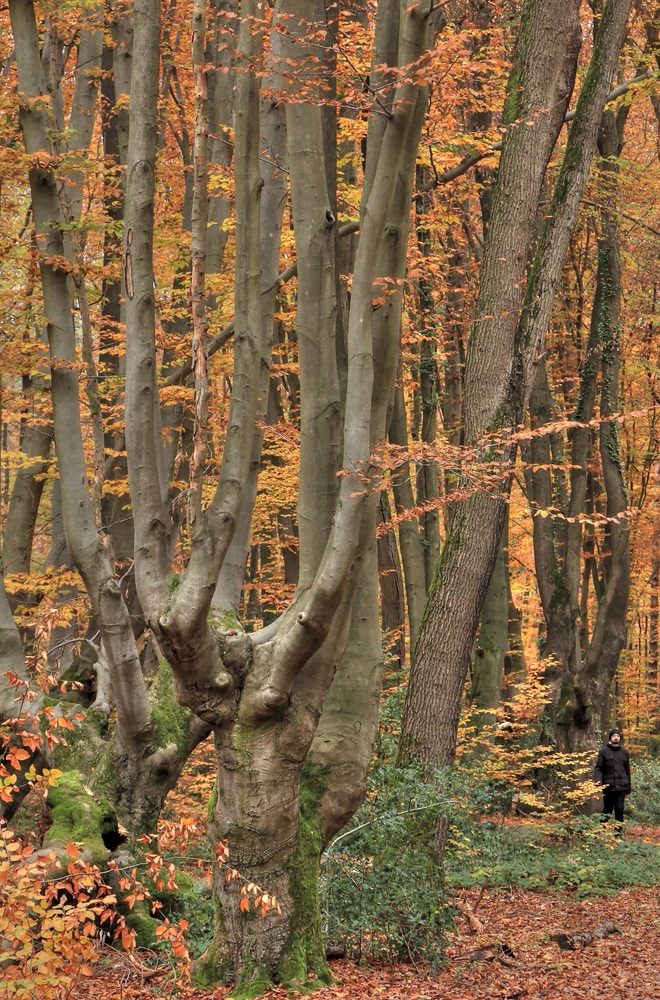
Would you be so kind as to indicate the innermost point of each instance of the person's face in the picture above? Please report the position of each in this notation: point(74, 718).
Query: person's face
point(615, 738)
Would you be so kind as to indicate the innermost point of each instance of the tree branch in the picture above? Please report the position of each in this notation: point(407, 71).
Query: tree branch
point(472, 159)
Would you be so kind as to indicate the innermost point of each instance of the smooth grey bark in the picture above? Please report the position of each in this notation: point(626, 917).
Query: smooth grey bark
point(84, 543)
point(18, 711)
point(428, 482)
point(410, 539)
point(286, 686)
point(61, 650)
point(264, 698)
point(182, 626)
point(343, 742)
point(198, 255)
point(11, 651)
point(35, 444)
point(349, 719)
point(314, 221)
point(221, 47)
point(142, 430)
point(36, 435)
point(142, 763)
point(272, 165)
point(392, 261)
point(492, 642)
point(390, 575)
point(85, 98)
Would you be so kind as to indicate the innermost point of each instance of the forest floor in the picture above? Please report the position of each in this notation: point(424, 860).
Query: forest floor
point(528, 963)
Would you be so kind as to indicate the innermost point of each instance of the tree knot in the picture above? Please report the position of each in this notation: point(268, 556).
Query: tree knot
point(311, 624)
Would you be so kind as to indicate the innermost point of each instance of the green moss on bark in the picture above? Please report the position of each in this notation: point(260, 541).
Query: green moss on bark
point(226, 621)
point(170, 720)
point(253, 983)
point(213, 801)
point(567, 704)
point(83, 741)
point(79, 817)
point(216, 964)
point(451, 545)
point(139, 920)
point(304, 952)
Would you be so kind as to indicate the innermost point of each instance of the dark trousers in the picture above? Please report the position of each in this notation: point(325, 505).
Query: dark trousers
point(613, 803)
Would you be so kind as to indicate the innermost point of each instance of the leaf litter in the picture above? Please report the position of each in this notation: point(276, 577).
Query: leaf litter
point(515, 923)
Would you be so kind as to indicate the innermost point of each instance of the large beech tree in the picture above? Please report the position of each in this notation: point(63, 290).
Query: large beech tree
point(292, 708)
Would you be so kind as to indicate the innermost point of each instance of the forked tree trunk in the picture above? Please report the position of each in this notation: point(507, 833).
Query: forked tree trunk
point(505, 350)
point(287, 782)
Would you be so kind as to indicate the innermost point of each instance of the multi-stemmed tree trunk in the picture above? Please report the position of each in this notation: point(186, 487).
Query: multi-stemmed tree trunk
point(280, 795)
point(285, 781)
point(292, 707)
point(141, 764)
point(507, 339)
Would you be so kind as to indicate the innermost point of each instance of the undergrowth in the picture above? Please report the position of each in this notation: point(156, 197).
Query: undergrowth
point(516, 814)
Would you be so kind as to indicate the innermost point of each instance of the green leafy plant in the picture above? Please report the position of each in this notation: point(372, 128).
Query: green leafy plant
point(381, 887)
point(644, 803)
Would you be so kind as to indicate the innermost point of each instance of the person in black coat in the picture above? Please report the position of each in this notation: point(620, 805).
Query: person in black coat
point(612, 770)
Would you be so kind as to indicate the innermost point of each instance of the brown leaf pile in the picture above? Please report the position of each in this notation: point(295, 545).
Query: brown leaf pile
point(522, 923)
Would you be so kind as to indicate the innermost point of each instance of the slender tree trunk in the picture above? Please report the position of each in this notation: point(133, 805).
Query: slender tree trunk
point(410, 540)
point(652, 664)
point(582, 656)
point(392, 605)
point(492, 641)
point(18, 708)
point(35, 445)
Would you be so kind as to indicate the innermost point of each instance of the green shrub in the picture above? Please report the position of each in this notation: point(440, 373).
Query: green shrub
point(382, 892)
point(643, 806)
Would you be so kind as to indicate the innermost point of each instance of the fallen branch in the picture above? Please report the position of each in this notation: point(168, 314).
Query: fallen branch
point(502, 952)
point(144, 970)
point(569, 942)
point(475, 924)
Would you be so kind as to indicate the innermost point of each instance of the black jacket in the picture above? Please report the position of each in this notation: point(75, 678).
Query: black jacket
point(613, 768)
